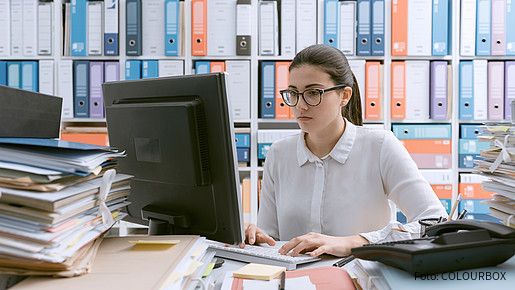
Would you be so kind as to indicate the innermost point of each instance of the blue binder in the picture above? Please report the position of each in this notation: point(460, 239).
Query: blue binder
point(474, 206)
point(243, 154)
point(433, 131)
point(469, 131)
point(440, 27)
point(446, 204)
point(172, 27)
point(363, 46)
point(263, 150)
point(467, 160)
point(29, 76)
point(133, 70)
point(472, 146)
point(3, 73)
point(331, 23)
point(133, 20)
point(14, 74)
point(111, 37)
point(150, 69)
point(466, 91)
point(242, 140)
point(510, 27)
point(268, 89)
point(483, 26)
point(377, 17)
point(81, 88)
point(202, 67)
point(79, 27)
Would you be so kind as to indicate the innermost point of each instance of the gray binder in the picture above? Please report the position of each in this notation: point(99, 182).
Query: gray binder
point(133, 25)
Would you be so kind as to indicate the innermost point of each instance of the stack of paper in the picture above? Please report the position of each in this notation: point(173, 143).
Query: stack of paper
point(56, 199)
point(498, 164)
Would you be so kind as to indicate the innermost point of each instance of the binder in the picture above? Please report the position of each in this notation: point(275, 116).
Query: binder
point(14, 74)
point(94, 21)
point(419, 29)
point(65, 88)
point(243, 27)
point(3, 73)
point(221, 27)
point(152, 12)
point(96, 79)
point(331, 23)
point(243, 154)
point(111, 28)
point(268, 89)
point(498, 27)
point(469, 131)
point(398, 87)
point(217, 66)
point(432, 146)
point(78, 27)
point(111, 71)
point(81, 88)
point(495, 90)
point(441, 24)
point(472, 146)
point(30, 27)
point(510, 27)
point(16, 28)
point(133, 31)
point(422, 131)
point(432, 161)
point(133, 69)
point(46, 77)
point(438, 91)
point(480, 89)
point(172, 25)
point(288, 24)
point(149, 69)
point(29, 76)
point(242, 140)
point(238, 88)
point(509, 90)
point(377, 17)
point(202, 67)
point(483, 27)
point(45, 27)
point(67, 29)
point(347, 27)
point(474, 206)
point(358, 68)
point(306, 24)
point(5, 23)
point(399, 27)
point(363, 46)
point(466, 91)
point(417, 90)
point(373, 90)
point(468, 28)
point(282, 111)
point(268, 28)
point(198, 27)
point(171, 68)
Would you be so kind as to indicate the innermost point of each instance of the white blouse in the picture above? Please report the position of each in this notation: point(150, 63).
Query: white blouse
point(346, 192)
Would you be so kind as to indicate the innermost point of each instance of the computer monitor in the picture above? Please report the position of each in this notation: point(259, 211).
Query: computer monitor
point(178, 135)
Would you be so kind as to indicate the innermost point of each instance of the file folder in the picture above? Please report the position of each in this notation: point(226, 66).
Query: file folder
point(150, 69)
point(480, 68)
point(268, 89)
point(377, 17)
point(347, 27)
point(282, 111)
point(306, 24)
point(16, 28)
point(30, 27)
point(133, 19)
point(419, 29)
point(363, 45)
point(423, 131)
point(498, 27)
point(468, 28)
point(288, 24)
point(399, 27)
point(153, 27)
point(509, 90)
point(469, 131)
point(202, 67)
point(199, 27)
point(398, 87)
point(81, 88)
point(217, 66)
point(268, 28)
point(238, 87)
point(172, 25)
point(94, 21)
point(46, 77)
point(14, 74)
point(79, 27)
point(65, 87)
point(3, 73)
point(243, 154)
point(441, 24)
point(171, 68)
point(373, 108)
point(358, 68)
point(242, 140)
point(111, 27)
point(495, 90)
point(438, 91)
point(466, 91)
point(132, 69)
point(510, 27)
point(243, 27)
point(331, 23)
point(45, 28)
point(29, 76)
point(472, 146)
point(417, 90)
point(5, 22)
point(96, 79)
point(483, 27)
point(221, 27)
point(111, 71)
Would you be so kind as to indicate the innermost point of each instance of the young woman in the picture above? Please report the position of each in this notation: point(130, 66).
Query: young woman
point(326, 190)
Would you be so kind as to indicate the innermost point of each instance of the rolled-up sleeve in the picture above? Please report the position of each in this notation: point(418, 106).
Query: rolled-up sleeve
point(267, 214)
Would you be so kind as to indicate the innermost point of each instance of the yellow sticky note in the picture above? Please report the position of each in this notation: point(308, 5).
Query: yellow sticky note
point(258, 272)
point(155, 242)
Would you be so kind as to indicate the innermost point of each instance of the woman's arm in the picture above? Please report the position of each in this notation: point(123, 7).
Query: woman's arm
point(267, 214)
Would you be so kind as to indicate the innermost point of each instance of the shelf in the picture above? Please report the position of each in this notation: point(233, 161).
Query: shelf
point(244, 169)
point(277, 121)
point(22, 58)
point(447, 57)
point(466, 170)
point(92, 57)
point(276, 57)
point(156, 57)
point(490, 57)
point(83, 120)
point(483, 121)
point(229, 57)
point(447, 122)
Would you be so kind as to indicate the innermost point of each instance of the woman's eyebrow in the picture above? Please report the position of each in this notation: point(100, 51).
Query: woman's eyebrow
point(308, 86)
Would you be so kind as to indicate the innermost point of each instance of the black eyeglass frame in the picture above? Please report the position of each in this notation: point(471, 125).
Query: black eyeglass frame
point(320, 91)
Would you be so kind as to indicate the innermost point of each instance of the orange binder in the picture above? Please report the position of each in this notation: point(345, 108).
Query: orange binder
point(424, 146)
point(473, 191)
point(373, 90)
point(199, 27)
point(400, 27)
point(217, 66)
point(245, 198)
point(398, 84)
point(443, 191)
point(282, 111)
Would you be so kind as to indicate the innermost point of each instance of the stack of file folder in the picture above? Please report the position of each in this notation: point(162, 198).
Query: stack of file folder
point(498, 164)
point(57, 199)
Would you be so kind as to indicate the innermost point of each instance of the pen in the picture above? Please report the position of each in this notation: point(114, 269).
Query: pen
point(282, 280)
point(462, 214)
point(343, 261)
point(458, 199)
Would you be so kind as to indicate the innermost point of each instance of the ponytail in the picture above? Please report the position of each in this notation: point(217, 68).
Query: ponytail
point(352, 111)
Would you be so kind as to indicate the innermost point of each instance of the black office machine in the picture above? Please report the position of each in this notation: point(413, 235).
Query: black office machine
point(449, 246)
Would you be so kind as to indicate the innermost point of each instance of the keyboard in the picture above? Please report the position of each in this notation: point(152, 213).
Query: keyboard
point(260, 254)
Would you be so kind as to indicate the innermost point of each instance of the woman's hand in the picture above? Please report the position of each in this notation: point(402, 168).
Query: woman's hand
point(255, 235)
point(316, 244)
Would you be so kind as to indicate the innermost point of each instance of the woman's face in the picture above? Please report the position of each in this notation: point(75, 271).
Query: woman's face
point(314, 119)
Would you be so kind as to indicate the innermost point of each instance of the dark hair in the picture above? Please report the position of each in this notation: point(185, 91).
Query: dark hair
point(333, 62)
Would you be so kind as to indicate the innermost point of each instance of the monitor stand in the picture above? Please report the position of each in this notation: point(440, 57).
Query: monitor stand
point(162, 221)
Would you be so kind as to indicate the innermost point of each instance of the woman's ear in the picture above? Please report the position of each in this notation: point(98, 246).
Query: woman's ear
point(346, 95)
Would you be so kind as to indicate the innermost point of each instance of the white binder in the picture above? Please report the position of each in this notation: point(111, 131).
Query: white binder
point(153, 22)
point(30, 27)
point(221, 27)
point(171, 68)
point(46, 77)
point(268, 28)
point(468, 28)
point(306, 23)
point(417, 90)
point(16, 28)
point(238, 88)
point(348, 27)
point(45, 24)
point(358, 68)
point(5, 23)
point(95, 30)
point(65, 87)
point(288, 21)
point(480, 68)
point(420, 13)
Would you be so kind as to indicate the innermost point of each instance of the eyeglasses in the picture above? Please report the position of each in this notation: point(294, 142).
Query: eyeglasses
point(312, 97)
